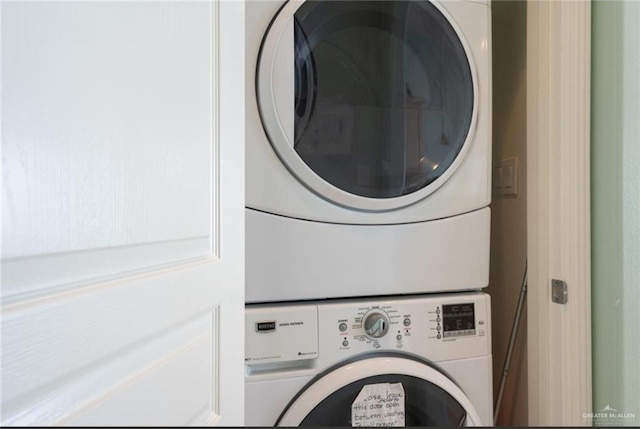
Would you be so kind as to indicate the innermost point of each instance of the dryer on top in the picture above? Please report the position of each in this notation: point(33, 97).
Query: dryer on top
point(368, 113)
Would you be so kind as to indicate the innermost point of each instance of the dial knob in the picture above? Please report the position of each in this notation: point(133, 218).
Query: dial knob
point(376, 324)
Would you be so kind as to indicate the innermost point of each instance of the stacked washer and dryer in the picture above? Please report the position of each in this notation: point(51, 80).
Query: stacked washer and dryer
point(368, 164)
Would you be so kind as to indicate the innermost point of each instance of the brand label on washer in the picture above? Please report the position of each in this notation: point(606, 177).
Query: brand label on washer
point(265, 327)
point(379, 404)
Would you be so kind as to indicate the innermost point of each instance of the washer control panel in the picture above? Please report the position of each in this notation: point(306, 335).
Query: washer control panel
point(439, 326)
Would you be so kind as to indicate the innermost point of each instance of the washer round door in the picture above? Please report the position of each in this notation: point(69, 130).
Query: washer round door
point(371, 104)
point(379, 390)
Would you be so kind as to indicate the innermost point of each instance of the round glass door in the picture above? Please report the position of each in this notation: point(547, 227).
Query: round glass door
point(369, 103)
point(341, 396)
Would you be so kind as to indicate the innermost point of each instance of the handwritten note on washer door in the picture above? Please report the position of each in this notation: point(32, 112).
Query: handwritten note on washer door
point(379, 404)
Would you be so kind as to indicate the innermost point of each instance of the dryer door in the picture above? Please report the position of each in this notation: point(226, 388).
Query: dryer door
point(371, 104)
point(395, 390)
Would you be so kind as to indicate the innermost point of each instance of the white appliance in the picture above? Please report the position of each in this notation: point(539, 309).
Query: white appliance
point(422, 361)
point(368, 147)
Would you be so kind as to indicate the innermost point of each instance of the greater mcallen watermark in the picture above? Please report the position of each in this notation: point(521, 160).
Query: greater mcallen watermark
point(609, 415)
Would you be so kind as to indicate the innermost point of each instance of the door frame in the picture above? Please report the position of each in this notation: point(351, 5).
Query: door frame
point(558, 211)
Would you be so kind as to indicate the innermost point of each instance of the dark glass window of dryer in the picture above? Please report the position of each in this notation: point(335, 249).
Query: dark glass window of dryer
point(383, 94)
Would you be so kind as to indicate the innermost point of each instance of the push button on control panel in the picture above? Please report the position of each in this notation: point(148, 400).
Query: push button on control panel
point(342, 327)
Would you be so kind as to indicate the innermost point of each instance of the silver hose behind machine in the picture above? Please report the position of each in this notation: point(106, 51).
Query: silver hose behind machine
point(512, 340)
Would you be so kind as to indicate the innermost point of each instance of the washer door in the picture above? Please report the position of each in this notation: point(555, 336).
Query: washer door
point(430, 397)
point(371, 104)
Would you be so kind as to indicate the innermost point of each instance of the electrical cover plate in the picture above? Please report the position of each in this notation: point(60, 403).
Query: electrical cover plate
point(505, 180)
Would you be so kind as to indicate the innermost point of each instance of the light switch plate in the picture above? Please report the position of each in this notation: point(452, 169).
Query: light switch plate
point(505, 179)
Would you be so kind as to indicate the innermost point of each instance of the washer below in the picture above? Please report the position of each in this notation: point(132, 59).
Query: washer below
point(420, 361)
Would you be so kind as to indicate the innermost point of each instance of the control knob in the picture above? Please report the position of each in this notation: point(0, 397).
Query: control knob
point(376, 324)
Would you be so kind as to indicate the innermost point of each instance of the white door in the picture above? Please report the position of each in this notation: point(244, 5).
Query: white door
point(122, 213)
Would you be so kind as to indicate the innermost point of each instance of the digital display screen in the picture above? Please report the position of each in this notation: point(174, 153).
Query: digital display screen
point(458, 320)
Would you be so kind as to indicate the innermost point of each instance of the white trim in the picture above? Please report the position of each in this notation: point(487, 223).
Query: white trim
point(214, 61)
point(229, 385)
point(558, 210)
point(359, 370)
